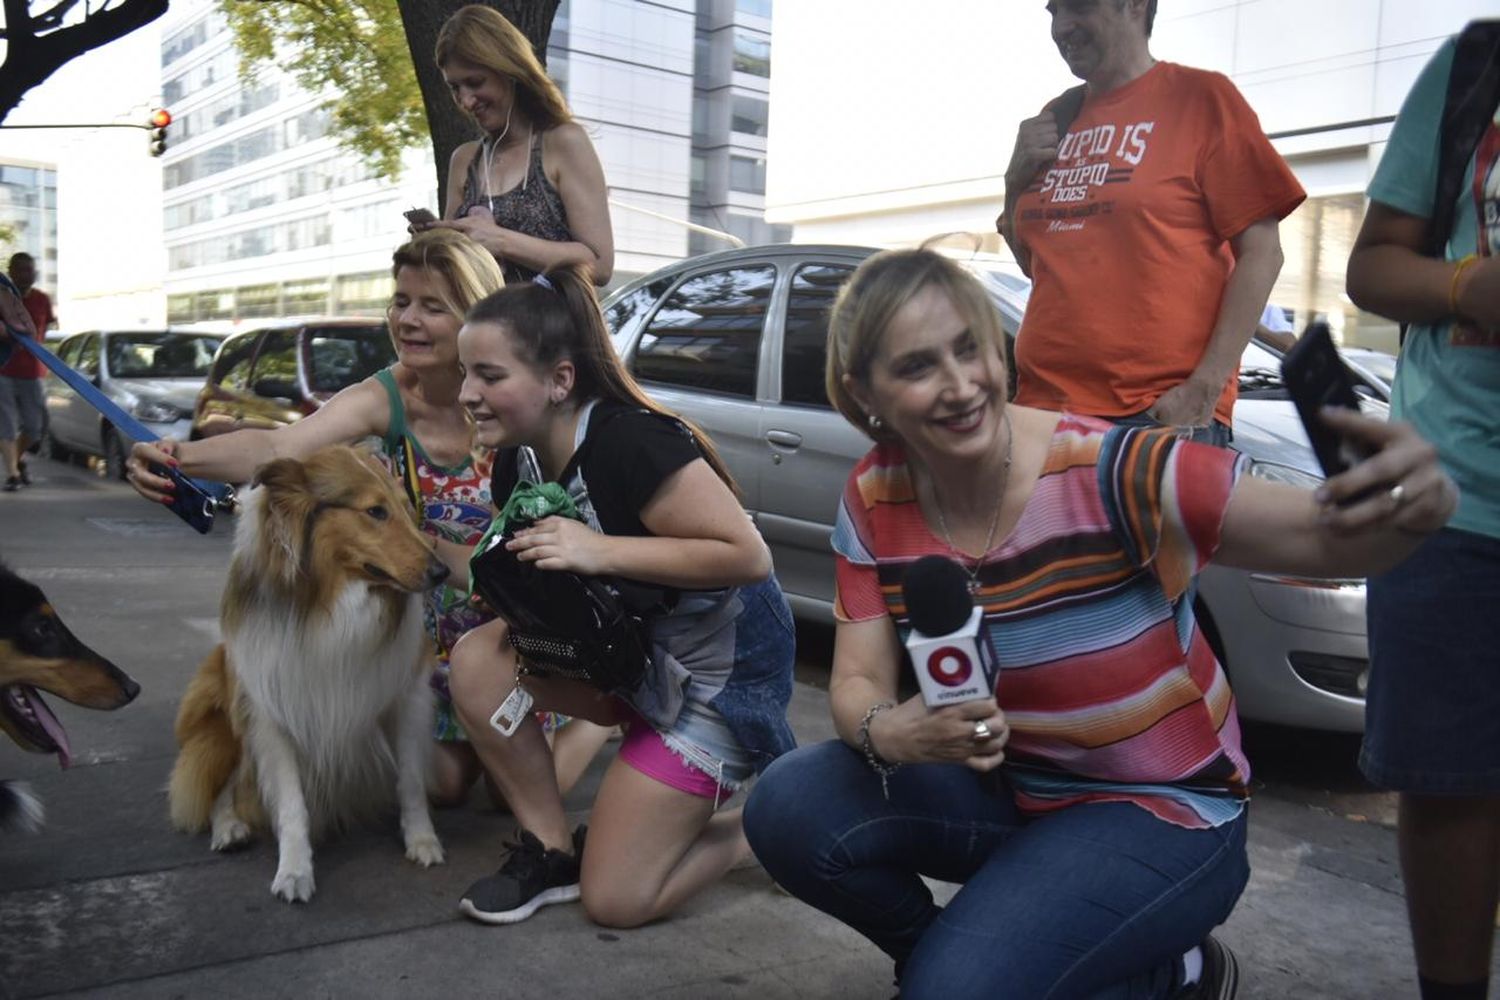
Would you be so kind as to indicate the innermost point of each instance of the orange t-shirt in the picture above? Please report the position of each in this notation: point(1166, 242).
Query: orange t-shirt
point(1128, 232)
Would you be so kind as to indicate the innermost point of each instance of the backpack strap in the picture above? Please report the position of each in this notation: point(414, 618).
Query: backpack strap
point(1468, 109)
point(1065, 108)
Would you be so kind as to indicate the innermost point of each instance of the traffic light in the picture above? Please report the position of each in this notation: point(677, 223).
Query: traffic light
point(160, 119)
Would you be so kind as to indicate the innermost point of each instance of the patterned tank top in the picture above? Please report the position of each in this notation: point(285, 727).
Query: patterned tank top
point(533, 207)
point(455, 506)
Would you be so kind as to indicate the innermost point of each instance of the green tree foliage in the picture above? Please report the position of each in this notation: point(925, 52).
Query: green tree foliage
point(352, 50)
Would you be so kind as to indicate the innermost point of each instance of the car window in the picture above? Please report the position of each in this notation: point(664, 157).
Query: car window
point(277, 360)
point(805, 344)
point(625, 313)
point(159, 354)
point(68, 352)
point(88, 356)
point(707, 333)
point(342, 356)
point(232, 367)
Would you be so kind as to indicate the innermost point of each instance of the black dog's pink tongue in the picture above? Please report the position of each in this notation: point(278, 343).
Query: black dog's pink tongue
point(52, 727)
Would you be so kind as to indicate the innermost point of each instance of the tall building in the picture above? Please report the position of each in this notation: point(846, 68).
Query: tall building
point(28, 210)
point(264, 215)
point(731, 119)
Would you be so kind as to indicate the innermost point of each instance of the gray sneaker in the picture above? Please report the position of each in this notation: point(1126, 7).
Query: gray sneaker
point(531, 878)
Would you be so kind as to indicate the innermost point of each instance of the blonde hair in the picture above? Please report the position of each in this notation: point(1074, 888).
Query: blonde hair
point(481, 36)
point(870, 299)
point(468, 270)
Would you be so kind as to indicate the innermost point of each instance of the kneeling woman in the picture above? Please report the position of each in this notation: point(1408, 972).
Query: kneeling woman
point(1095, 815)
point(540, 380)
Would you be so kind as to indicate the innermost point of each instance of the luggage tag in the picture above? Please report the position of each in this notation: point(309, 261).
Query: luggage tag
point(512, 711)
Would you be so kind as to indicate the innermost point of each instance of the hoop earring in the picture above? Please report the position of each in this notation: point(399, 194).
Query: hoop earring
point(876, 424)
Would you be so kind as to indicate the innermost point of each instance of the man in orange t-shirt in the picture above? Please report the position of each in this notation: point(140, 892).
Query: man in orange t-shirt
point(1149, 229)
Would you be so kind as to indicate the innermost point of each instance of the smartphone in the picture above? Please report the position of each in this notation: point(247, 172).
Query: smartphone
point(1316, 376)
point(420, 217)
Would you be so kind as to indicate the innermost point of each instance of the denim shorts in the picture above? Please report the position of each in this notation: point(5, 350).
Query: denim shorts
point(1432, 712)
point(728, 732)
point(23, 407)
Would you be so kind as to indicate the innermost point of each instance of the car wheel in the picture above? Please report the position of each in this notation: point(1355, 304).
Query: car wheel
point(114, 455)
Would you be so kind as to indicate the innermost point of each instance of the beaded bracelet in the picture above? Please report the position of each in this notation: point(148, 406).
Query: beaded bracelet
point(1464, 264)
point(881, 767)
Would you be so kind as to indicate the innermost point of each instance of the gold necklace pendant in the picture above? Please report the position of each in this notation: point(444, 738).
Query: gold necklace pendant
point(989, 539)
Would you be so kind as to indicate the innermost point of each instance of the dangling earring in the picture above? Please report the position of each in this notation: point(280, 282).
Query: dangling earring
point(876, 424)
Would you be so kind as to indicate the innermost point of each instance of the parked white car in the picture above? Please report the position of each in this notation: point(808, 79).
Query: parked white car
point(154, 375)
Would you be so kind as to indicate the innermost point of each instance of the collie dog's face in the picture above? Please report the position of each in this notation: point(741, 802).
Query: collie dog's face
point(339, 515)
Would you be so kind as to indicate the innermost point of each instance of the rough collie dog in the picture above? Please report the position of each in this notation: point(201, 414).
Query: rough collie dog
point(317, 703)
point(37, 652)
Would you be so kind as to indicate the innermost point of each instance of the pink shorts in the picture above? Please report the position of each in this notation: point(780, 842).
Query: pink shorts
point(646, 750)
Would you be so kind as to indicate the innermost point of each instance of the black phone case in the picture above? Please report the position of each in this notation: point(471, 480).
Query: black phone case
point(1315, 377)
point(190, 502)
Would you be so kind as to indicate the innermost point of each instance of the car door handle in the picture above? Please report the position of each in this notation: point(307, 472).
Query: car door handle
point(785, 439)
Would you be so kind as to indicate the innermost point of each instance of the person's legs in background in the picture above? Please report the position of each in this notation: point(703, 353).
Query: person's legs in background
point(10, 427)
point(1432, 733)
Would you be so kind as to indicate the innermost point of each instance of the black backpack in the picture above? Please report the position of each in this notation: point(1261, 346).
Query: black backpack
point(1468, 109)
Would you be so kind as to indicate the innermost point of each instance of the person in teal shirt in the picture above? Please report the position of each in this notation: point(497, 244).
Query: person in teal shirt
point(1432, 728)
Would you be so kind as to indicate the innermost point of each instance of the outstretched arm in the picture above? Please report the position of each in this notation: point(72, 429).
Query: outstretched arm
point(358, 412)
point(1271, 527)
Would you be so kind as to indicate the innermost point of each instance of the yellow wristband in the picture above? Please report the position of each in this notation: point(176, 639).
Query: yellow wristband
point(1464, 264)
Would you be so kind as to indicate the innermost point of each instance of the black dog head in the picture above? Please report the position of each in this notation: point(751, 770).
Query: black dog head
point(37, 651)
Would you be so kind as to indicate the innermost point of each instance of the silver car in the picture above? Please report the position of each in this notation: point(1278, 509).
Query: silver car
point(154, 375)
point(736, 341)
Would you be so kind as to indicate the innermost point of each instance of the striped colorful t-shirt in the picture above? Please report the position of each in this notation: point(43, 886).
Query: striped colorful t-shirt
point(1111, 691)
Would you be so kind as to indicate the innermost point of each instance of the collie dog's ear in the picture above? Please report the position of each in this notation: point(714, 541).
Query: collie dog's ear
point(281, 474)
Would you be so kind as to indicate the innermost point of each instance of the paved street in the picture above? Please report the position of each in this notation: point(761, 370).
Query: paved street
point(110, 902)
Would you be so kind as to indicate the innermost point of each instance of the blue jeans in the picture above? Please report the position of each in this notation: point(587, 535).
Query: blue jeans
point(1216, 433)
point(1097, 900)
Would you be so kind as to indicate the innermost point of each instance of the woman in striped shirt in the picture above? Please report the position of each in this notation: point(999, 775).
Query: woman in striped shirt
point(1094, 809)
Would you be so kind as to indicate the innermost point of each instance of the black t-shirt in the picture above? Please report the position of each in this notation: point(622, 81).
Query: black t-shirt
point(627, 453)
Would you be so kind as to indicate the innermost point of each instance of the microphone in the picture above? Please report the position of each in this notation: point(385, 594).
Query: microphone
point(949, 643)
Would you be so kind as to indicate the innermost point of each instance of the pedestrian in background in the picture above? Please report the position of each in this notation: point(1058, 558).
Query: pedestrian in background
point(1432, 729)
point(1094, 808)
point(1148, 225)
point(531, 190)
point(23, 403)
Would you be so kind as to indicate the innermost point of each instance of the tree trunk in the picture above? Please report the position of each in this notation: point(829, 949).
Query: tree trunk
point(422, 19)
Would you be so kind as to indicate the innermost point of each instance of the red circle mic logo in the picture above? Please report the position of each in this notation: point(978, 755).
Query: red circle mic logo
point(950, 666)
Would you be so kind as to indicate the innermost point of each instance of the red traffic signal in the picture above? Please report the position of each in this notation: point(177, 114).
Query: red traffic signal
point(159, 120)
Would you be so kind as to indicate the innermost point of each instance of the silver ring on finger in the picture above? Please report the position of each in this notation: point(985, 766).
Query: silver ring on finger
point(1397, 494)
point(982, 731)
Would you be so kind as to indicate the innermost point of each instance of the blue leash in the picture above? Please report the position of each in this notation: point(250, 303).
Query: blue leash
point(195, 499)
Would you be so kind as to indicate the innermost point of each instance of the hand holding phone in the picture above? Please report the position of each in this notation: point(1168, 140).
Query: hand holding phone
point(1316, 376)
point(420, 218)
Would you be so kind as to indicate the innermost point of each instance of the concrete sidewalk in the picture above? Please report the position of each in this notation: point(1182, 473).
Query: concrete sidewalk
point(110, 902)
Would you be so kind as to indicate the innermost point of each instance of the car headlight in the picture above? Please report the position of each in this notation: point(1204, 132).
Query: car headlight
point(156, 412)
point(1277, 473)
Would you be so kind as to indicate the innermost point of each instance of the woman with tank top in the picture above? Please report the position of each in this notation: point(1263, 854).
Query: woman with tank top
point(412, 408)
point(531, 192)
